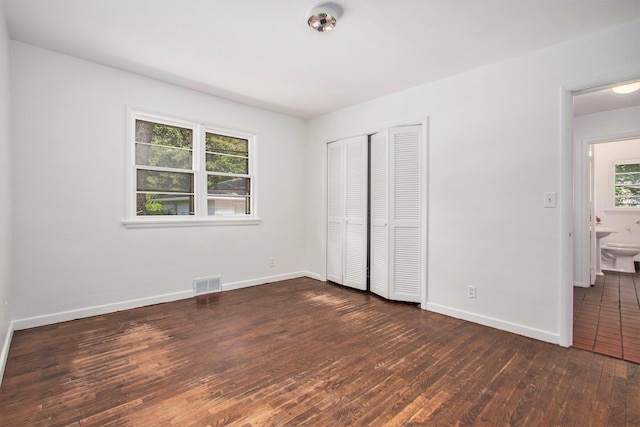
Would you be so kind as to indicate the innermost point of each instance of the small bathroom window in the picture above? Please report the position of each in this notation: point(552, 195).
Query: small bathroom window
point(626, 185)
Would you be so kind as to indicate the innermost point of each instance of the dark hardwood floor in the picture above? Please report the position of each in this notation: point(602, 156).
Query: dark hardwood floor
point(303, 352)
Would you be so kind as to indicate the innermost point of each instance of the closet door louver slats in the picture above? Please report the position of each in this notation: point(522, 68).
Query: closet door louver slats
point(395, 237)
point(355, 255)
point(406, 200)
point(335, 171)
point(379, 238)
point(347, 212)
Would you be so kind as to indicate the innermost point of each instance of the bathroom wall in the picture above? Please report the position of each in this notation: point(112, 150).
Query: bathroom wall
point(623, 221)
point(589, 128)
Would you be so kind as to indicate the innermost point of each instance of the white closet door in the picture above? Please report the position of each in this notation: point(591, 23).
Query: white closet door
point(355, 218)
point(405, 225)
point(335, 214)
point(379, 235)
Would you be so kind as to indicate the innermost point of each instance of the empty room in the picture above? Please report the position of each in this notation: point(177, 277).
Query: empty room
point(359, 212)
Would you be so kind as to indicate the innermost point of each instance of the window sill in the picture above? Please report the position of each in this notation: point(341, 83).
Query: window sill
point(192, 222)
point(629, 211)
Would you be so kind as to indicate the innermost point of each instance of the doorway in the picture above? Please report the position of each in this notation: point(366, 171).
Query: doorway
point(602, 315)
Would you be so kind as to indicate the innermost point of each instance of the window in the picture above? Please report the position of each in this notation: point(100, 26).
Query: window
point(184, 172)
point(164, 169)
point(627, 185)
point(228, 180)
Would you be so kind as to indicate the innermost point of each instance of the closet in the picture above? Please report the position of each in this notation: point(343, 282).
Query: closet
point(347, 212)
point(376, 203)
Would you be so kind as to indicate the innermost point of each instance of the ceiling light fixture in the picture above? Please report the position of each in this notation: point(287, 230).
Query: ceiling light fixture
point(323, 18)
point(628, 88)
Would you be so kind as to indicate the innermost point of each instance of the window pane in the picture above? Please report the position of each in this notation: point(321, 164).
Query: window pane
point(627, 196)
point(630, 167)
point(154, 155)
point(163, 204)
point(227, 185)
point(228, 164)
point(226, 145)
point(228, 206)
point(159, 134)
point(163, 145)
point(164, 181)
point(628, 178)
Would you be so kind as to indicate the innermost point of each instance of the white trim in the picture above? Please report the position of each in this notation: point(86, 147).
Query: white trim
point(566, 202)
point(492, 322)
point(262, 281)
point(613, 209)
point(314, 276)
point(623, 211)
point(190, 222)
point(424, 225)
point(64, 316)
point(4, 353)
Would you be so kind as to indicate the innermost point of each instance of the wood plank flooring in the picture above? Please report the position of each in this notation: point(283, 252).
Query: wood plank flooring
point(606, 316)
point(303, 352)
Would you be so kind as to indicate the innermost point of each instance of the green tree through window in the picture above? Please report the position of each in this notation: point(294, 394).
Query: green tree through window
point(169, 150)
point(627, 185)
point(182, 168)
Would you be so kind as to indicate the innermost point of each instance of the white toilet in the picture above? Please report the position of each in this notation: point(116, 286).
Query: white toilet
point(619, 257)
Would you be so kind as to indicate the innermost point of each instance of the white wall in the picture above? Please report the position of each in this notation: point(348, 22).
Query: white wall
point(5, 198)
point(591, 128)
point(495, 147)
point(624, 222)
point(72, 256)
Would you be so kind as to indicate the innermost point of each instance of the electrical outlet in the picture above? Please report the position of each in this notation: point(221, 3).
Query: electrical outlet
point(272, 262)
point(471, 292)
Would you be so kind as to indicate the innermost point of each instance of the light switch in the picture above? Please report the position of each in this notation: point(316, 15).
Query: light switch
point(550, 200)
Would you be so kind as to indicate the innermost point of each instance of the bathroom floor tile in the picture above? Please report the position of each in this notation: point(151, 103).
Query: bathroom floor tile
point(606, 316)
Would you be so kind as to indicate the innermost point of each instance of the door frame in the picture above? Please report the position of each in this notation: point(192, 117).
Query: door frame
point(567, 223)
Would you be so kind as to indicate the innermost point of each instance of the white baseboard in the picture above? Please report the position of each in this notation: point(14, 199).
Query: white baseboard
point(64, 316)
point(581, 285)
point(262, 281)
point(4, 354)
point(315, 276)
point(553, 338)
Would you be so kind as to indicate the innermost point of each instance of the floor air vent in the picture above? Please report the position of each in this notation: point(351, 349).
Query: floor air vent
point(207, 285)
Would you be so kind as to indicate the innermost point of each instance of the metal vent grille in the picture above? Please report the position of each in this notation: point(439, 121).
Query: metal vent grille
point(207, 285)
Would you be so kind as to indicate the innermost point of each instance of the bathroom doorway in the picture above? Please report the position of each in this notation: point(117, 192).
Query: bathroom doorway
point(605, 131)
point(613, 198)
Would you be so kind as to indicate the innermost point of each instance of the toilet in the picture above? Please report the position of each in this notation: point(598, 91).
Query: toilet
point(619, 257)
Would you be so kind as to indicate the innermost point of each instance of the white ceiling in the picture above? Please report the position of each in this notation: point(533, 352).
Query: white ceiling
point(261, 52)
point(604, 99)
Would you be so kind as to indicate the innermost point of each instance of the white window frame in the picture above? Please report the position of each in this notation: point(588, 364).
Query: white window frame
point(612, 191)
point(201, 216)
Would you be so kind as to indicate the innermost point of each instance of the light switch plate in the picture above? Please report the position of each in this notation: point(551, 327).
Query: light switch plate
point(550, 200)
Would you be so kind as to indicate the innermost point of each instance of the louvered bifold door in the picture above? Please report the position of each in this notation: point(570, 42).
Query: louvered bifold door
point(335, 211)
point(379, 202)
point(355, 219)
point(405, 213)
